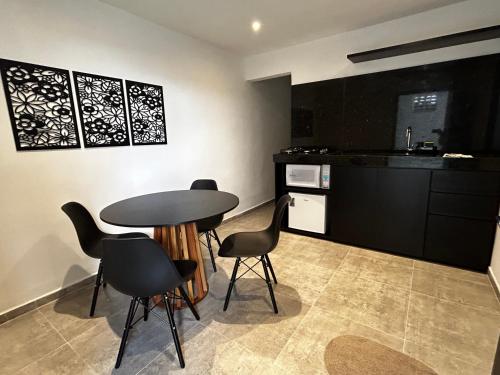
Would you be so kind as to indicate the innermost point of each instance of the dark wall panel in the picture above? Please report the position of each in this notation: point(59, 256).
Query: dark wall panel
point(453, 104)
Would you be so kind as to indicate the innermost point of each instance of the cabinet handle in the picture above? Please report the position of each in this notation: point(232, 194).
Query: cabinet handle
point(292, 202)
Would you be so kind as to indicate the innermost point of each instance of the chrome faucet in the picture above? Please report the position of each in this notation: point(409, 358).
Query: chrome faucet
point(409, 146)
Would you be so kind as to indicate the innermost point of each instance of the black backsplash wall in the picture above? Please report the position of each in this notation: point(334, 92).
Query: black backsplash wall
point(454, 104)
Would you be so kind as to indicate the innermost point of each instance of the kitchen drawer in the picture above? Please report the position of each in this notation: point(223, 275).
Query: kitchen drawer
point(459, 242)
point(479, 183)
point(471, 206)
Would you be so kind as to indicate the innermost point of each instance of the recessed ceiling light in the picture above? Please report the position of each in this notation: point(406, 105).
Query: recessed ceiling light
point(256, 25)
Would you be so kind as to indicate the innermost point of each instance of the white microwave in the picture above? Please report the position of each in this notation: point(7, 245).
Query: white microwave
point(308, 176)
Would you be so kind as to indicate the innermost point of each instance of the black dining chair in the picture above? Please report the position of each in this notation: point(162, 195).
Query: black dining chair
point(255, 245)
point(90, 238)
point(208, 225)
point(140, 268)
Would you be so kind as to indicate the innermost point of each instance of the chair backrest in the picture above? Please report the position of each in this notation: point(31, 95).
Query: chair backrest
point(138, 267)
point(213, 221)
point(204, 185)
point(275, 227)
point(86, 229)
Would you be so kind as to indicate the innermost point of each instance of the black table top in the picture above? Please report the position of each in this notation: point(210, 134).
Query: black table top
point(168, 208)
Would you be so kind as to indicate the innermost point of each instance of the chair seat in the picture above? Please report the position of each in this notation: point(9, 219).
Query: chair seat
point(246, 244)
point(186, 268)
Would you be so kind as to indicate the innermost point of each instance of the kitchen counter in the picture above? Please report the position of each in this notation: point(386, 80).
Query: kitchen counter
point(397, 160)
point(426, 207)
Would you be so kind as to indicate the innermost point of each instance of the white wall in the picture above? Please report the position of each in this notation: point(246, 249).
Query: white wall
point(326, 58)
point(494, 269)
point(218, 126)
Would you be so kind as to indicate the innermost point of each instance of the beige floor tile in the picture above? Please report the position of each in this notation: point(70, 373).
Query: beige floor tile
point(312, 251)
point(377, 305)
point(98, 346)
point(304, 352)
point(442, 286)
point(454, 329)
point(380, 255)
point(249, 306)
point(268, 338)
point(378, 269)
point(25, 339)
point(62, 361)
point(70, 314)
point(442, 363)
point(300, 280)
point(452, 272)
point(205, 352)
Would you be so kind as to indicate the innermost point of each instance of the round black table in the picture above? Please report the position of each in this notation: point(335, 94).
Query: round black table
point(173, 214)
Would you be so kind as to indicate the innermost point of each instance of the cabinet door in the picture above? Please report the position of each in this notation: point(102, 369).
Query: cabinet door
point(353, 205)
point(401, 211)
point(460, 242)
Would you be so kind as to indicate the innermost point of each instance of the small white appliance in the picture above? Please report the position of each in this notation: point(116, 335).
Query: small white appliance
point(307, 212)
point(308, 176)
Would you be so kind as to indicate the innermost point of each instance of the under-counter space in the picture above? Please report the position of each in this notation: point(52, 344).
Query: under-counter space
point(442, 215)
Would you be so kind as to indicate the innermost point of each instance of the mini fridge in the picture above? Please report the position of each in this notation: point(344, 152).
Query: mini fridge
point(307, 212)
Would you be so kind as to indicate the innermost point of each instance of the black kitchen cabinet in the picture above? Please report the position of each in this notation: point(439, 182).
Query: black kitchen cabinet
point(401, 210)
point(459, 241)
point(442, 215)
point(382, 208)
point(461, 223)
point(353, 204)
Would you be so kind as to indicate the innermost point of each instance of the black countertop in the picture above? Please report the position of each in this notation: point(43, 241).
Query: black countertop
point(397, 160)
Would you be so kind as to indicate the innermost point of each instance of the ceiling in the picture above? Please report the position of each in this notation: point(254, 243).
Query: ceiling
point(227, 23)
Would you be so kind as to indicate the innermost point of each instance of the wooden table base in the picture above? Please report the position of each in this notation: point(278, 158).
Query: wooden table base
point(182, 242)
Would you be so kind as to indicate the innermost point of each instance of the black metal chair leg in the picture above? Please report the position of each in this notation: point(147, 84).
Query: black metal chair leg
point(188, 302)
point(209, 245)
point(271, 268)
point(173, 328)
point(146, 308)
point(96, 289)
point(269, 285)
point(231, 283)
point(104, 284)
point(128, 322)
point(216, 238)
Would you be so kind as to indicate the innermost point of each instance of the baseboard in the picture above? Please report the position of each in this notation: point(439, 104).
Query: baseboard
point(46, 298)
point(89, 280)
point(253, 208)
point(494, 282)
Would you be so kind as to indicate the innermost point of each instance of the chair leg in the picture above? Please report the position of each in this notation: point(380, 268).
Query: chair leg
point(173, 328)
point(269, 285)
point(188, 302)
point(209, 245)
point(231, 283)
point(96, 289)
point(271, 268)
point(128, 322)
point(146, 308)
point(216, 238)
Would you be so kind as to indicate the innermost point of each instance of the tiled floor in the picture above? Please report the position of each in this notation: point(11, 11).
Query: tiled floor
point(445, 317)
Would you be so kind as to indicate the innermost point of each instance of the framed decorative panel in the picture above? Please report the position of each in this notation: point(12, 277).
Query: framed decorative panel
point(41, 107)
point(147, 113)
point(101, 104)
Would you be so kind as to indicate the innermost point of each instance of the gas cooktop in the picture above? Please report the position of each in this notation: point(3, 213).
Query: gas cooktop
point(306, 150)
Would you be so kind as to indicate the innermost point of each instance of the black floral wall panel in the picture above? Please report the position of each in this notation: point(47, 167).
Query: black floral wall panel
point(41, 107)
point(101, 104)
point(147, 113)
